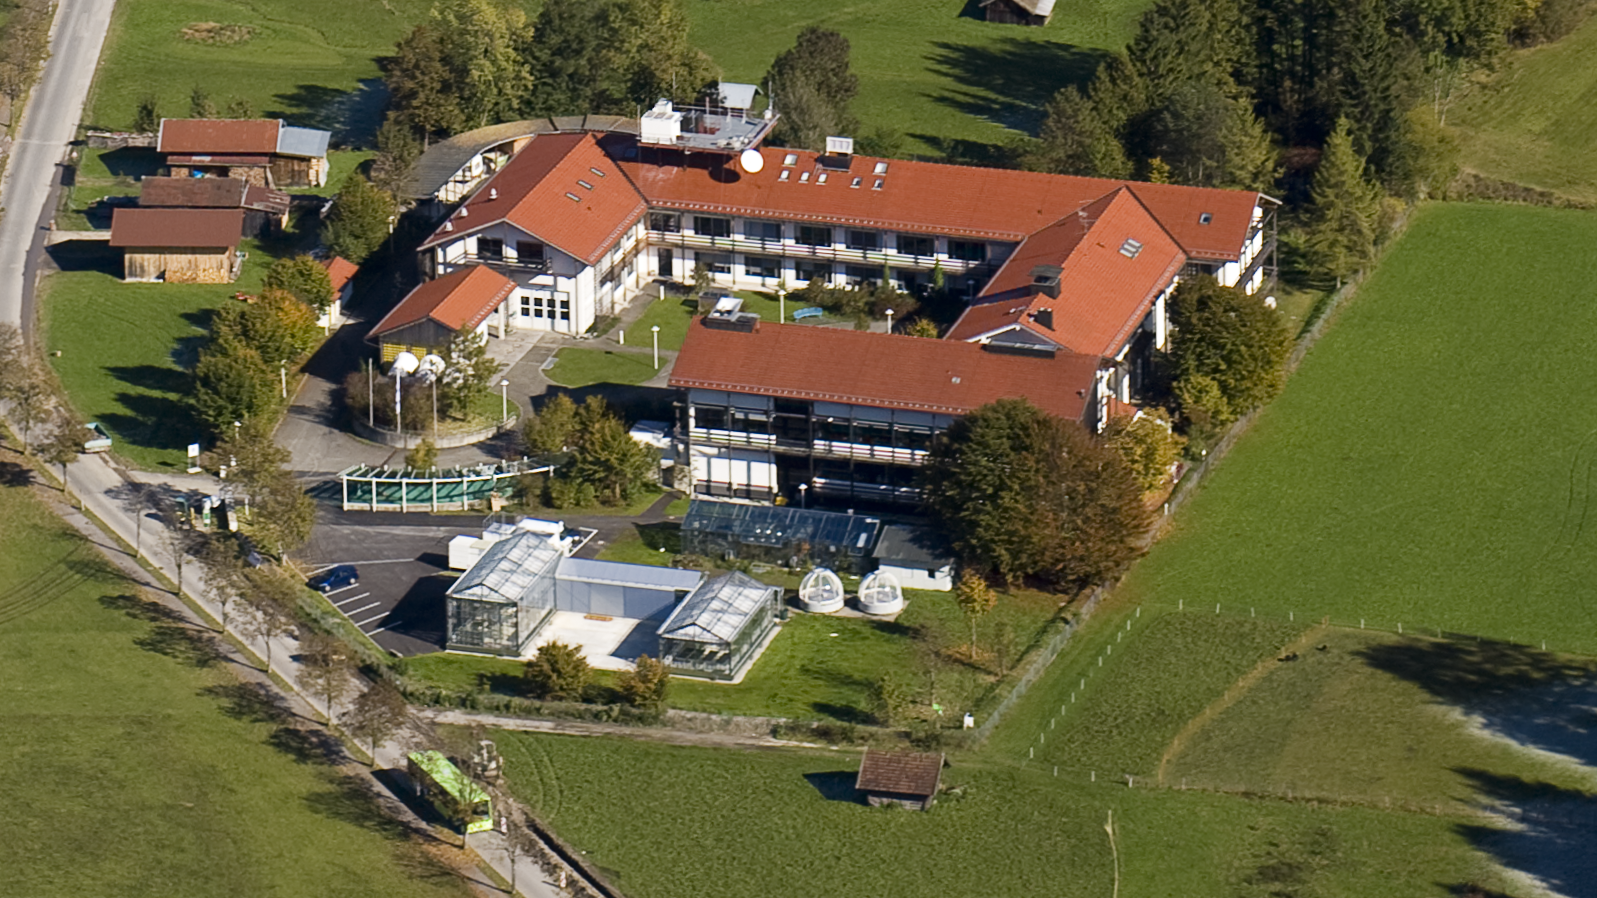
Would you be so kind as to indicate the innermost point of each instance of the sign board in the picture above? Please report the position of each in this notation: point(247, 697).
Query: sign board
point(194, 458)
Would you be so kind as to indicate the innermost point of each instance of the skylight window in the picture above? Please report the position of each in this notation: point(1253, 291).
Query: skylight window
point(1205, 217)
point(820, 178)
point(586, 185)
point(574, 198)
point(877, 185)
point(881, 168)
point(782, 176)
point(857, 182)
point(790, 159)
point(596, 171)
point(804, 177)
point(1130, 248)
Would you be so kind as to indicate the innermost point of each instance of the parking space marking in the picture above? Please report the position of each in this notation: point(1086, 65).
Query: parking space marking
point(360, 563)
point(351, 614)
point(376, 631)
point(351, 599)
point(371, 620)
point(334, 592)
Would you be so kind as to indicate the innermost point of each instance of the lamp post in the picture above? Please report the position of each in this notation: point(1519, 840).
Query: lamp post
point(504, 402)
point(282, 373)
point(889, 320)
point(656, 330)
point(435, 406)
point(803, 488)
point(371, 394)
point(781, 305)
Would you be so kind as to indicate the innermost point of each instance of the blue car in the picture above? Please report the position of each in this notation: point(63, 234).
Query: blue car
point(335, 578)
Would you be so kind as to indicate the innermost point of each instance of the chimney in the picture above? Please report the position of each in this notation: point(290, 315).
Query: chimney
point(1045, 317)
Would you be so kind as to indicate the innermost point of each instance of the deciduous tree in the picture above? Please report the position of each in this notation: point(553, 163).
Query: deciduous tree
point(558, 672)
point(304, 279)
point(326, 668)
point(811, 88)
point(1147, 444)
point(377, 714)
point(30, 399)
point(359, 221)
point(553, 427)
point(975, 599)
point(468, 375)
point(1231, 338)
point(646, 685)
point(62, 445)
point(232, 383)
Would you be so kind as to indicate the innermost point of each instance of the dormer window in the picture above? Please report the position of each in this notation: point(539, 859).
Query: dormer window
point(877, 185)
point(857, 182)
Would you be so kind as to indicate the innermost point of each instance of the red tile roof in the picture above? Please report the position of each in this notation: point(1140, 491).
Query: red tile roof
point(460, 299)
point(176, 228)
point(884, 370)
point(192, 193)
point(237, 136)
point(1103, 294)
point(925, 197)
point(900, 772)
point(539, 192)
point(339, 271)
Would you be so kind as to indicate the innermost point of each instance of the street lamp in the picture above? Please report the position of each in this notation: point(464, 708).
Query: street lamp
point(504, 402)
point(656, 330)
point(803, 488)
point(781, 301)
point(889, 320)
point(282, 373)
point(435, 406)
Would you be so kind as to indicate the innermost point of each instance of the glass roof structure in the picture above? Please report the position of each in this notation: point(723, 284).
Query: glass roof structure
point(778, 533)
point(719, 610)
point(508, 570)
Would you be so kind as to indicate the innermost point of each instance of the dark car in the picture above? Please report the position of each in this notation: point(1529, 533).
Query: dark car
point(335, 578)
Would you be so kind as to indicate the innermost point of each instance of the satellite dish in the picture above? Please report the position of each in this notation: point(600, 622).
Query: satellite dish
point(404, 363)
point(433, 364)
point(751, 161)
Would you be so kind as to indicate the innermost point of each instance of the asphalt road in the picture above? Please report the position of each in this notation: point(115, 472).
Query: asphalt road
point(50, 123)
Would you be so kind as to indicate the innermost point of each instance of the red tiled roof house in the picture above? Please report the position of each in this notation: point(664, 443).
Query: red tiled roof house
point(433, 313)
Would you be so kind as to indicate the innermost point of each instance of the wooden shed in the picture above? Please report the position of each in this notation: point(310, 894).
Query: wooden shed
point(907, 778)
point(1018, 12)
point(430, 315)
point(263, 152)
point(179, 246)
point(265, 209)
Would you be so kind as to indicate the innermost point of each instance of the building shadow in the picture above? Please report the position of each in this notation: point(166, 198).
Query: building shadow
point(1009, 82)
point(420, 613)
point(642, 639)
point(87, 255)
point(837, 785)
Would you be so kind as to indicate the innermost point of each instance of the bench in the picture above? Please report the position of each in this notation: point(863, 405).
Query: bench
point(811, 312)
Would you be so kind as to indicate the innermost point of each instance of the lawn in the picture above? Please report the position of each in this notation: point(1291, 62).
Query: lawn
point(1428, 465)
point(125, 350)
point(138, 766)
point(304, 60)
point(585, 367)
point(1533, 121)
point(928, 69)
point(673, 314)
point(665, 820)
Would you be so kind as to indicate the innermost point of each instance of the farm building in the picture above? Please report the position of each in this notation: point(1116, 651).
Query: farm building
point(341, 275)
point(720, 629)
point(914, 558)
point(907, 778)
point(507, 596)
point(263, 152)
point(265, 209)
point(1018, 12)
point(433, 313)
point(179, 246)
point(847, 418)
point(779, 535)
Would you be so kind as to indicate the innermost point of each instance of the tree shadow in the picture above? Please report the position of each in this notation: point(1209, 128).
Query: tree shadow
point(308, 746)
point(13, 474)
point(837, 785)
point(157, 378)
point(170, 634)
point(665, 536)
point(1553, 837)
point(353, 116)
point(251, 702)
point(1010, 81)
point(349, 800)
point(843, 713)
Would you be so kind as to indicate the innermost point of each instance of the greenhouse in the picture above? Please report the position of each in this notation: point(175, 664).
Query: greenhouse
point(719, 630)
point(498, 605)
point(780, 535)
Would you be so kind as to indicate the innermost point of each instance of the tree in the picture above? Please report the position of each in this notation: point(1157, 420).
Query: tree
point(481, 44)
point(424, 457)
point(976, 599)
point(558, 672)
point(359, 221)
point(1077, 139)
point(420, 84)
point(1343, 209)
point(62, 445)
point(377, 714)
point(613, 56)
point(468, 375)
point(609, 460)
point(397, 152)
point(325, 667)
point(249, 452)
point(1147, 444)
point(271, 611)
point(890, 699)
point(923, 327)
point(224, 570)
point(284, 515)
point(147, 115)
point(232, 383)
point(553, 427)
point(1233, 339)
point(31, 402)
point(304, 279)
point(280, 327)
point(200, 103)
point(811, 88)
point(646, 685)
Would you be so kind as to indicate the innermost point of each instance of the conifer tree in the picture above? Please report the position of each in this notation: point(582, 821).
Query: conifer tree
point(1344, 209)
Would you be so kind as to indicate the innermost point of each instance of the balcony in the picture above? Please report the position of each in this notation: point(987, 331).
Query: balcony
point(500, 263)
point(867, 452)
point(732, 438)
point(794, 250)
point(882, 492)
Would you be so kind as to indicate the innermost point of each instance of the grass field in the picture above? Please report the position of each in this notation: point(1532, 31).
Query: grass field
point(1533, 121)
point(666, 820)
point(929, 69)
point(138, 766)
point(575, 367)
point(1429, 464)
point(673, 314)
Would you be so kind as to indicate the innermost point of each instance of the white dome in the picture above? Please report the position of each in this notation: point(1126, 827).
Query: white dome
point(821, 591)
point(881, 594)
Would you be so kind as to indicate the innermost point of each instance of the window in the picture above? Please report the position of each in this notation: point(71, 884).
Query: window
point(856, 183)
point(1131, 248)
point(596, 171)
point(708, 417)
point(529, 253)
point(763, 230)
point(864, 240)
point(712, 227)
point(782, 176)
point(807, 270)
point(820, 178)
point(762, 267)
point(526, 306)
point(859, 274)
point(877, 185)
point(584, 184)
point(719, 263)
point(565, 308)
point(790, 159)
point(916, 245)
point(881, 168)
point(967, 250)
point(543, 305)
point(804, 177)
point(669, 222)
point(490, 249)
point(1205, 218)
point(574, 198)
point(811, 235)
